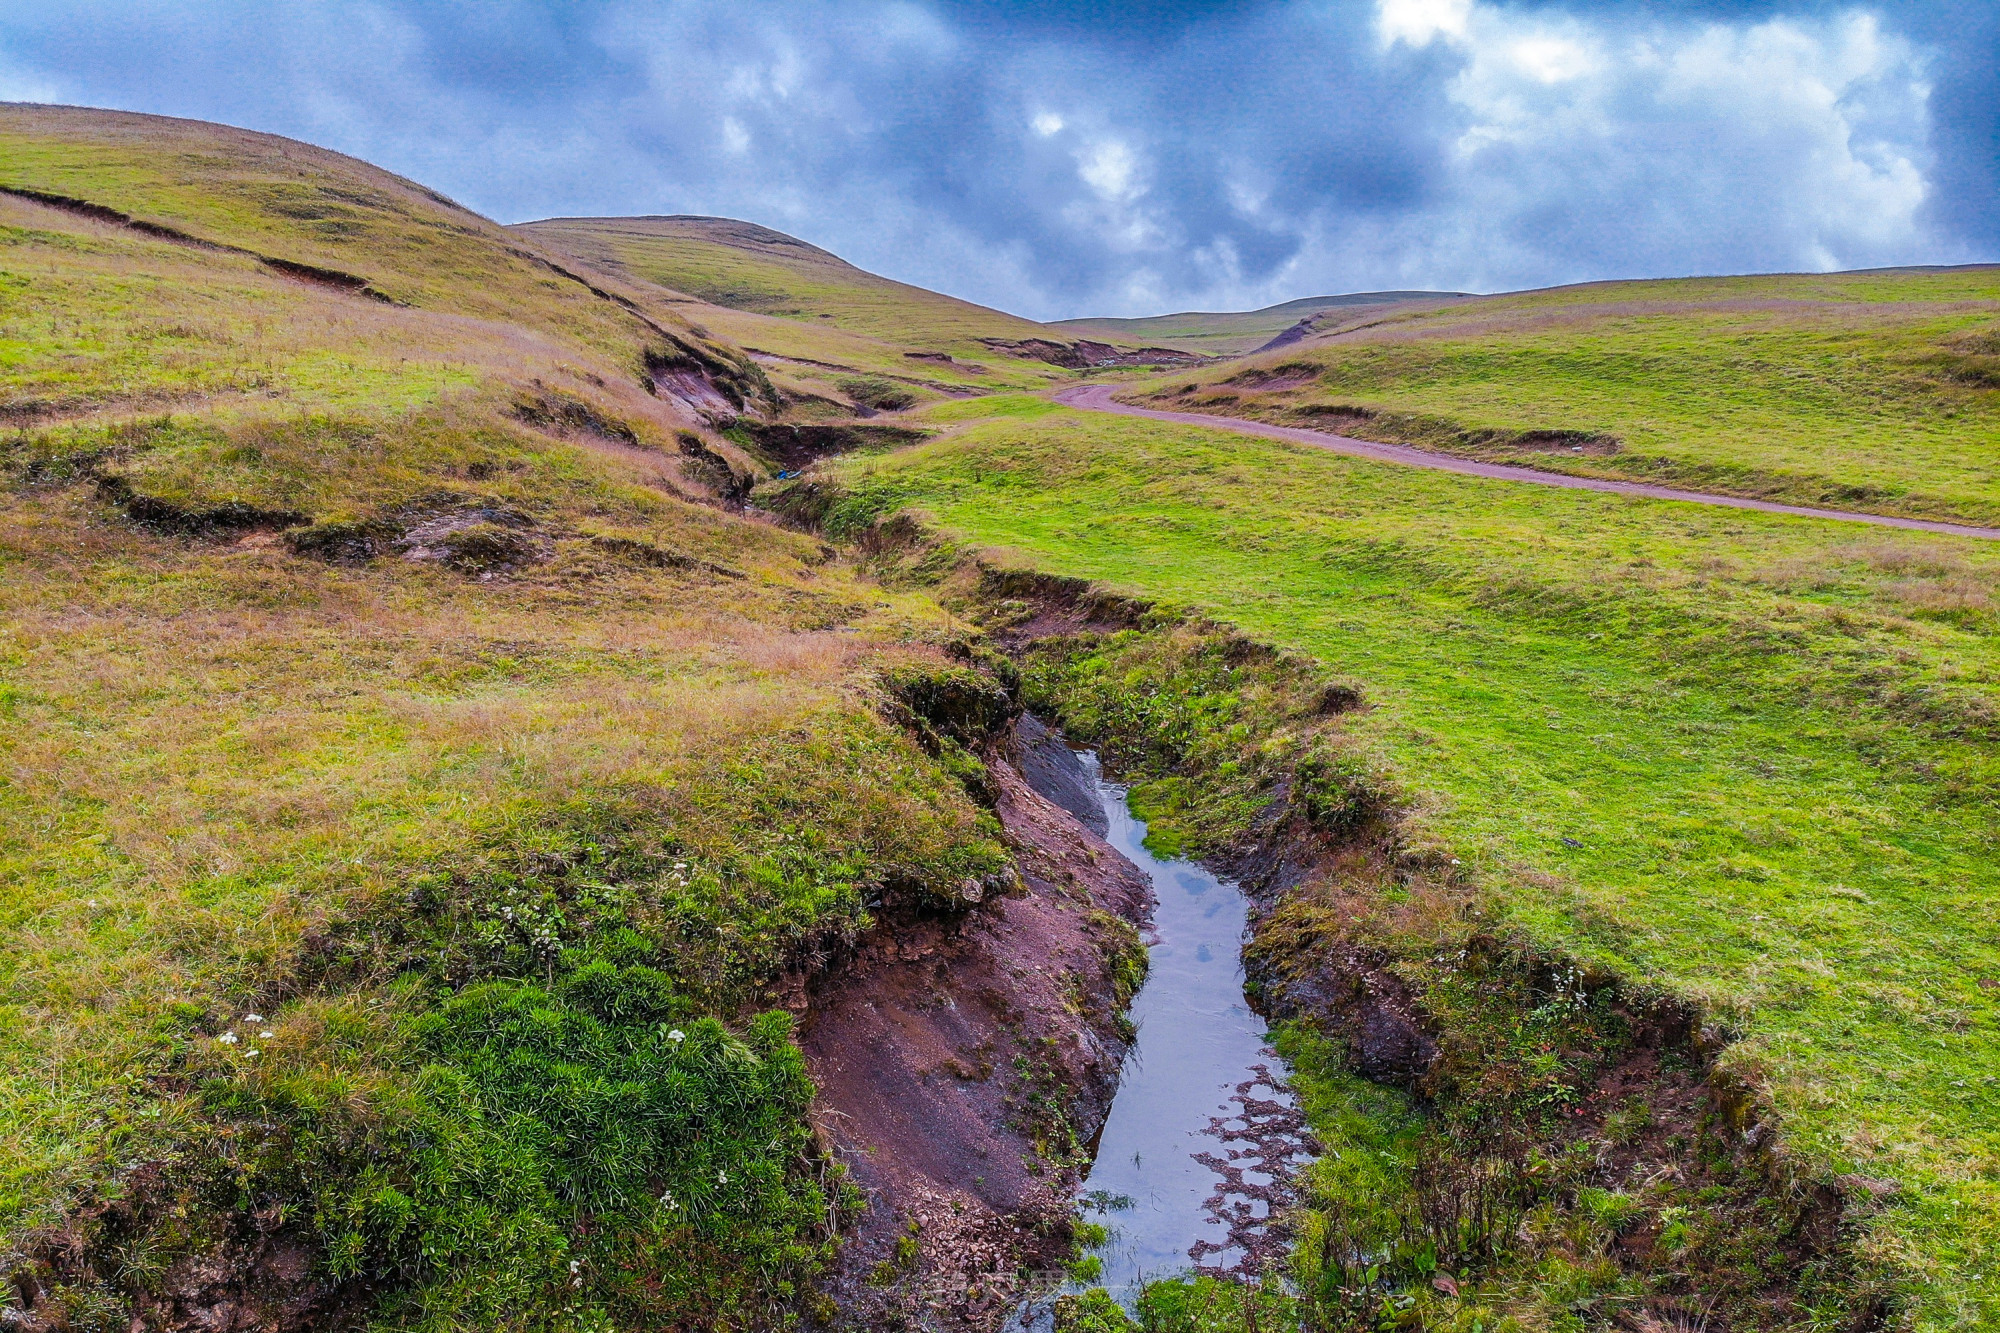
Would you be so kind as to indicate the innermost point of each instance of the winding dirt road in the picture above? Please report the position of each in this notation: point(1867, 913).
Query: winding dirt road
point(1097, 398)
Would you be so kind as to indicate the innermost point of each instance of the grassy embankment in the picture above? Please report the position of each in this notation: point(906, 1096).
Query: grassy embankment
point(368, 919)
point(824, 330)
point(1749, 759)
point(1865, 391)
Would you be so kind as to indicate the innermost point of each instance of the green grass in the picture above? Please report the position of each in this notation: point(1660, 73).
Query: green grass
point(746, 267)
point(1868, 391)
point(1230, 333)
point(1024, 406)
point(1746, 757)
point(473, 843)
point(812, 318)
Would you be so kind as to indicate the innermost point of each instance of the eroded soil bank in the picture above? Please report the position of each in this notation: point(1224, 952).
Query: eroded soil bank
point(963, 1061)
point(1568, 1151)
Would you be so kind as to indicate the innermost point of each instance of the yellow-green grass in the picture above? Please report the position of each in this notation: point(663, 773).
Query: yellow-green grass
point(1233, 333)
point(101, 323)
point(219, 756)
point(1746, 757)
point(95, 319)
point(1876, 391)
point(293, 202)
point(211, 749)
point(800, 305)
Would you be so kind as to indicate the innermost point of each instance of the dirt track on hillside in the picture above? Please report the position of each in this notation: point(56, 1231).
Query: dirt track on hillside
point(1097, 398)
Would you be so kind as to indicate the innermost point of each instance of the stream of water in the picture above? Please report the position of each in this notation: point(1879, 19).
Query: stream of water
point(1203, 1136)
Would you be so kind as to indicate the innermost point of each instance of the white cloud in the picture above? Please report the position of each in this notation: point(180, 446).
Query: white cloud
point(1589, 149)
point(1109, 167)
point(1551, 59)
point(19, 86)
point(1420, 22)
point(1047, 124)
point(1117, 215)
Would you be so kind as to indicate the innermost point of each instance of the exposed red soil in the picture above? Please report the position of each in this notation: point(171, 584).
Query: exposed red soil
point(943, 1049)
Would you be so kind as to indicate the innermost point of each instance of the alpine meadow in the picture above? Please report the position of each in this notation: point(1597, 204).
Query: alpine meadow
point(617, 773)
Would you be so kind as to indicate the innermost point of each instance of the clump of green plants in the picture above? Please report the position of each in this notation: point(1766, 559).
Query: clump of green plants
point(880, 394)
point(1204, 724)
point(1091, 1311)
point(510, 1153)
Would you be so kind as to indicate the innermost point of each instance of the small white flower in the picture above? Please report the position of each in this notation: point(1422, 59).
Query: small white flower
point(227, 1039)
point(253, 1018)
point(266, 1035)
point(252, 1052)
point(576, 1265)
point(722, 1177)
point(677, 1035)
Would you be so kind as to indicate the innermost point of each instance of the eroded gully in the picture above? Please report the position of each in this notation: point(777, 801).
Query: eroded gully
point(1196, 1160)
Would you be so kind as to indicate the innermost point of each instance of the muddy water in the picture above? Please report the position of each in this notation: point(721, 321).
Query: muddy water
point(1203, 1137)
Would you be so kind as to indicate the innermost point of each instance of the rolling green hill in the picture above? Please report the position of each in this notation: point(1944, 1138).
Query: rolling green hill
point(821, 327)
point(1234, 333)
point(747, 267)
point(423, 776)
point(1847, 390)
point(408, 765)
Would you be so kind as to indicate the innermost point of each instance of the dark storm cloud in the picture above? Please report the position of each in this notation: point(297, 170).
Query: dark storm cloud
point(1117, 156)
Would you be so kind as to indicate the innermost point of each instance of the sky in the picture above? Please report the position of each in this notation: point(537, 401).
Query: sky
point(1108, 157)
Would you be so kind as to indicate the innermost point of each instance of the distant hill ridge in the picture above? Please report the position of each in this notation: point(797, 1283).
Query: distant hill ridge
point(805, 311)
point(1232, 333)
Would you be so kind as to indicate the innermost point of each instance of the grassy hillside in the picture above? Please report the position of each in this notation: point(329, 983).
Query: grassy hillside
point(747, 267)
point(1233, 333)
point(404, 774)
point(816, 321)
point(328, 217)
point(1747, 758)
point(1854, 390)
point(417, 784)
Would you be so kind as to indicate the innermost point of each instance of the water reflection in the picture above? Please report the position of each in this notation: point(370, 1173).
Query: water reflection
point(1203, 1134)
